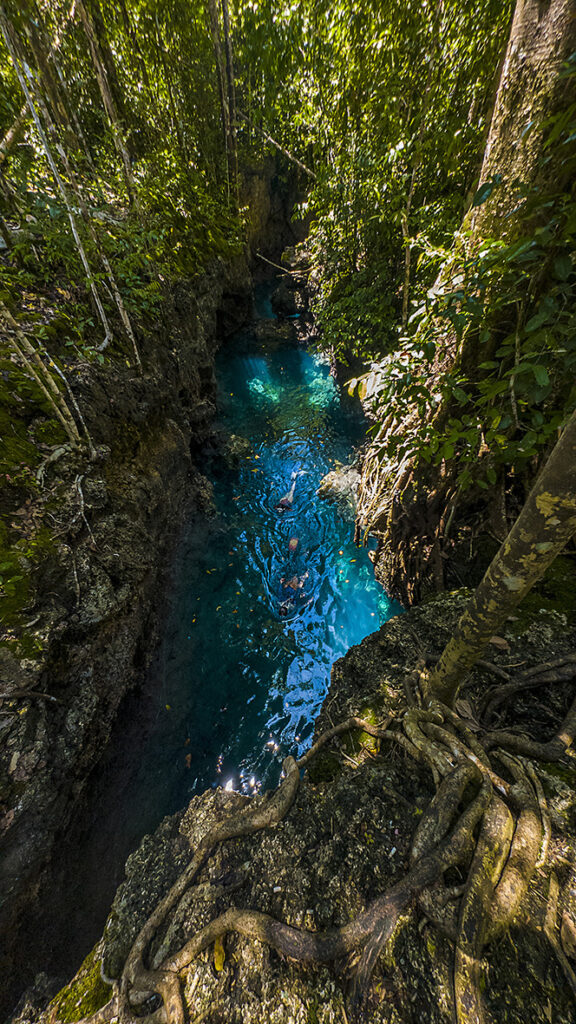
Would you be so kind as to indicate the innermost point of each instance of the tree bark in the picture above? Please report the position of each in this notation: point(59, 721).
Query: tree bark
point(542, 37)
point(531, 90)
point(543, 528)
point(50, 84)
point(231, 94)
point(25, 86)
point(13, 133)
point(101, 68)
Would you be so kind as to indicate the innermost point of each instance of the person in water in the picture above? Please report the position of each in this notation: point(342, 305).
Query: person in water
point(285, 503)
point(292, 590)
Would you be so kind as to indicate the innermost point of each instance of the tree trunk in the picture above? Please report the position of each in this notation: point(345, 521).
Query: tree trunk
point(543, 528)
point(76, 135)
point(13, 133)
point(408, 512)
point(50, 84)
point(5, 232)
point(91, 229)
point(231, 95)
point(24, 85)
point(102, 69)
point(542, 37)
point(176, 121)
point(31, 361)
point(94, 12)
point(133, 37)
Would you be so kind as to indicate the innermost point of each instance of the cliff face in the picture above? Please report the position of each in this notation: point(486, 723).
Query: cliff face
point(345, 840)
point(107, 529)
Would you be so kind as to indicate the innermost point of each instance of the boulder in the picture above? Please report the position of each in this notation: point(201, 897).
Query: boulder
point(341, 485)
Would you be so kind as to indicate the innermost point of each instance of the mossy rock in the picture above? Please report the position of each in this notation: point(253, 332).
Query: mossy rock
point(556, 591)
point(84, 995)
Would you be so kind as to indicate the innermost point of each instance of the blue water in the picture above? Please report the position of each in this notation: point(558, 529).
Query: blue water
point(249, 655)
point(236, 685)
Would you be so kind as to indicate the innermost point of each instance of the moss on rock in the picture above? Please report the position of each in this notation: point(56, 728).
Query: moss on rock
point(85, 994)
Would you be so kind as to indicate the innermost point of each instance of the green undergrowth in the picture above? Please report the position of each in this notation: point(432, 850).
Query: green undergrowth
point(555, 592)
point(21, 557)
point(328, 764)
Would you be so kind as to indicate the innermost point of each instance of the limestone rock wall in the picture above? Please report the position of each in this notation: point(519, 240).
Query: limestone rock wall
point(110, 526)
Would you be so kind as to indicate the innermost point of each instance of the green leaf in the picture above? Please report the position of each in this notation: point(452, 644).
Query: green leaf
point(483, 194)
point(542, 378)
point(563, 267)
point(485, 191)
point(535, 322)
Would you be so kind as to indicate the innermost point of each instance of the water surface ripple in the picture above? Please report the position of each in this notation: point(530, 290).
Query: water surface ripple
point(269, 599)
point(236, 684)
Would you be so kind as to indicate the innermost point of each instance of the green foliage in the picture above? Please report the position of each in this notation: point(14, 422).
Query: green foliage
point(161, 72)
point(511, 308)
point(389, 107)
point(486, 370)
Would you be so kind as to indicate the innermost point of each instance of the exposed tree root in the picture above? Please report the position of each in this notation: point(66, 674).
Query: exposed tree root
point(550, 932)
point(556, 671)
point(556, 749)
point(489, 859)
point(493, 827)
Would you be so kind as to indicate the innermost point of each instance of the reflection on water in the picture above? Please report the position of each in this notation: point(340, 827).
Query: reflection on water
point(262, 604)
point(268, 599)
point(238, 683)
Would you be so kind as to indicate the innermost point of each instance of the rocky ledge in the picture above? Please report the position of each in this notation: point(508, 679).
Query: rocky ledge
point(101, 532)
point(345, 840)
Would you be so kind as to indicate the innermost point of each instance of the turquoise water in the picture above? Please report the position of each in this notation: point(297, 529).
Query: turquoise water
point(236, 684)
point(252, 654)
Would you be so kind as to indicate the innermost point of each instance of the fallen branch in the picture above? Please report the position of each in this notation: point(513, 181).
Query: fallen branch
point(281, 149)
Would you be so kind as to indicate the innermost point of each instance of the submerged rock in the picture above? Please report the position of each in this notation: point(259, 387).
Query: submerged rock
point(341, 485)
point(234, 449)
point(345, 840)
point(275, 332)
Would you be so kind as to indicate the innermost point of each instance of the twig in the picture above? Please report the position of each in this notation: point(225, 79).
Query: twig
point(24, 694)
point(294, 273)
point(78, 485)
